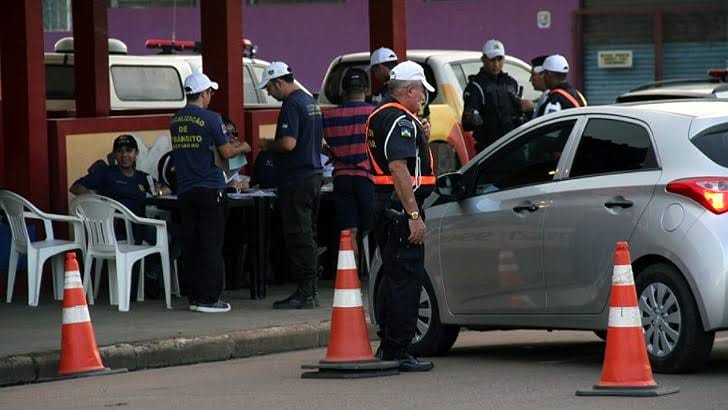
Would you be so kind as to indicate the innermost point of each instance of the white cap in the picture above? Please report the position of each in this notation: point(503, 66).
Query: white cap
point(537, 69)
point(410, 71)
point(494, 48)
point(556, 63)
point(198, 82)
point(274, 70)
point(382, 55)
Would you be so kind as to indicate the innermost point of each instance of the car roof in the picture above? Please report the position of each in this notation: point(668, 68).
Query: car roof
point(420, 55)
point(698, 88)
point(703, 108)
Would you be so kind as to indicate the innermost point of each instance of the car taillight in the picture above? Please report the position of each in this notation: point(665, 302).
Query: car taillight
point(710, 192)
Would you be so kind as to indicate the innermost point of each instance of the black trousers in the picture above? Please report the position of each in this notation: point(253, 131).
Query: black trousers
point(299, 207)
point(203, 231)
point(401, 278)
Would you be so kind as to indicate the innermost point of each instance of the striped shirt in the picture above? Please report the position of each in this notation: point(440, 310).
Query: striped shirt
point(344, 131)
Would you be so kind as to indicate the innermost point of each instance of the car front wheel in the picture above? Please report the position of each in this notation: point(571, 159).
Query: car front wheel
point(432, 338)
point(674, 335)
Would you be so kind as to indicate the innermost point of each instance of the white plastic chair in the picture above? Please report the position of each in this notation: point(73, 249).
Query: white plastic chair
point(18, 209)
point(163, 215)
point(98, 213)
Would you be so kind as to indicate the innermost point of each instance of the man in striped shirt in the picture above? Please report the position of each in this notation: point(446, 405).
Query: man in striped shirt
point(344, 132)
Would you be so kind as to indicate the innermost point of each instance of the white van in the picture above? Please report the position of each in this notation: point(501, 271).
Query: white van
point(149, 82)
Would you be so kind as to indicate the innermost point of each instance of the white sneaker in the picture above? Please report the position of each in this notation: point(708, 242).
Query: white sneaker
point(217, 307)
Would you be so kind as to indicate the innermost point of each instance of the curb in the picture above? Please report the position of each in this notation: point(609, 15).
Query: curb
point(177, 351)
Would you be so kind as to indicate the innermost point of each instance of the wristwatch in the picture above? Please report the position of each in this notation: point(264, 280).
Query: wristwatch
point(414, 215)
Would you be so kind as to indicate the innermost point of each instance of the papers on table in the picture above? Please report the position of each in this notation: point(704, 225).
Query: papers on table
point(252, 193)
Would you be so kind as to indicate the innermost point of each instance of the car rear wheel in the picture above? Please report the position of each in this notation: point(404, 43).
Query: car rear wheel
point(674, 335)
point(432, 338)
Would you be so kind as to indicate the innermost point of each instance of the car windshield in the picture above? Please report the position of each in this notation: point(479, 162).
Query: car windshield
point(714, 144)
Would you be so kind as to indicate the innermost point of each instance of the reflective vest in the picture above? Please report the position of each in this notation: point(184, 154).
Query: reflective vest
point(570, 97)
point(379, 177)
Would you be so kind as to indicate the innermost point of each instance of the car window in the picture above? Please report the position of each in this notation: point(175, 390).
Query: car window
point(522, 77)
point(714, 144)
point(530, 159)
point(60, 82)
point(262, 94)
point(249, 94)
point(147, 83)
point(332, 89)
point(608, 146)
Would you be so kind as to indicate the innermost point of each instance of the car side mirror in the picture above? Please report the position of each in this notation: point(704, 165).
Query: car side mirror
point(450, 185)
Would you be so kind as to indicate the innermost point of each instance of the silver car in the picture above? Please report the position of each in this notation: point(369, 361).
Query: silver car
point(523, 236)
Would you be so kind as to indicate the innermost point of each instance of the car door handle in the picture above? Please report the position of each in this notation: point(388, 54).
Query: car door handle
point(525, 207)
point(619, 203)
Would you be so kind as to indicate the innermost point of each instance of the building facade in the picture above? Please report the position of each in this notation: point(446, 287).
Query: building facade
point(612, 45)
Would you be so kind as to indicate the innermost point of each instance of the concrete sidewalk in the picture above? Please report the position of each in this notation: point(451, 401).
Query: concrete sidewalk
point(149, 335)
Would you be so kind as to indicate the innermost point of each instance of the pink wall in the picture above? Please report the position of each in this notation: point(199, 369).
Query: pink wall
point(309, 36)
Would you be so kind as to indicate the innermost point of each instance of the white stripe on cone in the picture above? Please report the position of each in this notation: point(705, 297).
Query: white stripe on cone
point(507, 268)
point(76, 314)
point(346, 260)
point(72, 280)
point(622, 275)
point(625, 317)
point(347, 298)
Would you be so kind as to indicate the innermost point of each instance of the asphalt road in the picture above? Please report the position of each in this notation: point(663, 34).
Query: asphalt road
point(495, 370)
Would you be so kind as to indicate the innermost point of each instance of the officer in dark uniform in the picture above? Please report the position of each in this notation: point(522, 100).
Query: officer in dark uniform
point(561, 94)
point(492, 105)
point(403, 178)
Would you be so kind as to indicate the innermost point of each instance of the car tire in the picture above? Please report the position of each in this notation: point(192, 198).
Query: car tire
point(679, 345)
point(432, 338)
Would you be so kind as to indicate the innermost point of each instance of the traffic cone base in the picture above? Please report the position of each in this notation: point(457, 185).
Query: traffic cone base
point(650, 391)
point(349, 353)
point(626, 370)
point(351, 370)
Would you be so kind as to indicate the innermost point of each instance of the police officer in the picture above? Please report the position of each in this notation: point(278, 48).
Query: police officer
point(297, 157)
point(381, 63)
point(538, 84)
point(492, 105)
point(196, 132)
point(403, 178)
point(561, 94)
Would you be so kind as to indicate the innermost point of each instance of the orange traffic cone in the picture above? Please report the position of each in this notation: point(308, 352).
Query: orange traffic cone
point(349, 354)
point(626, 370)
point(79, 354)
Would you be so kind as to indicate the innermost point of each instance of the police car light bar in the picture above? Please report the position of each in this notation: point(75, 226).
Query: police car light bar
point(171, 46)
point(721, 73)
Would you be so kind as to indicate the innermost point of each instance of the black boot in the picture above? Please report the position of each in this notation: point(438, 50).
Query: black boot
point(298, 300)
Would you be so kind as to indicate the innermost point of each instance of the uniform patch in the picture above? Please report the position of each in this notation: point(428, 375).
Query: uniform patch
point(406, 132)
point(284, 126)
point(141, 188)
point(552, 107)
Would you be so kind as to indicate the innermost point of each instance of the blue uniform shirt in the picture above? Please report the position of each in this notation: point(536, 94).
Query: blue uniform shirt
point(111, 182)
point(299, 118)
point(196, 132)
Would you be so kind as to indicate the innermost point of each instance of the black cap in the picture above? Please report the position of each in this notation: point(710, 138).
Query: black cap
point(355, 79)
point(538, 61)
point(125, 140)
